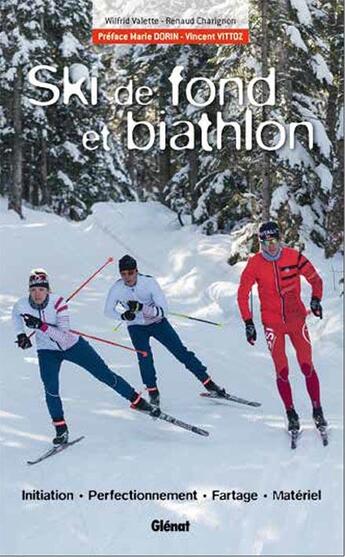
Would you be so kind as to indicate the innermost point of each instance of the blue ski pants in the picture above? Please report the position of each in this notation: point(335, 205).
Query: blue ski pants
point(166, 335)
point(84, 356)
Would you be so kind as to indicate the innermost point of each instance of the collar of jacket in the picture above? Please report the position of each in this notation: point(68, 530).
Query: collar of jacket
point(39, 306)
point(270, 257)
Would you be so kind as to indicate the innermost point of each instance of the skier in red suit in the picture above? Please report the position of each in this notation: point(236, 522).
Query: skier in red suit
point(277, 270)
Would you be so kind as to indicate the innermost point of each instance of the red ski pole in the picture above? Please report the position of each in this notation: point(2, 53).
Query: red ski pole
point(109, 260)
point(142, 352)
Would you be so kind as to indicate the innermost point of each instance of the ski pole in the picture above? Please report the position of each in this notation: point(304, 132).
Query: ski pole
point(142, 352)
point(196, 319)
point(109, 260)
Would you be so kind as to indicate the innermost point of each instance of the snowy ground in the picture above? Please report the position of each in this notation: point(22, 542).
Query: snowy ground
point(247, 450)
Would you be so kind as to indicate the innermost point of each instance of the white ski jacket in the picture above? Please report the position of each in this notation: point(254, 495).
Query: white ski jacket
point(147, 291)
point(55, 333)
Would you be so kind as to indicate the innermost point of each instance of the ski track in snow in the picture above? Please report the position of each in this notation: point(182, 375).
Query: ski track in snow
point(248, 448)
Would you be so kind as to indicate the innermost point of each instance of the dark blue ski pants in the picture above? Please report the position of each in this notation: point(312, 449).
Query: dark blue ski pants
point(166, 335)
point(84, 356)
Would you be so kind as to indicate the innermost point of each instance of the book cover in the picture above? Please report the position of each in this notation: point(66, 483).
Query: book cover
point(171, 219)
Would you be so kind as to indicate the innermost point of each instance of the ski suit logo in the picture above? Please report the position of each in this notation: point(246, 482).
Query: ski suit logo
point(270, 338)
point(305, 333)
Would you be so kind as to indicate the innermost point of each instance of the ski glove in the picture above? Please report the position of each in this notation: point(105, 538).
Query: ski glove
point(128, 316)
point(31, 321)
point(316, 307)
point(150, 312)
point(134, 306)
point(23, 341)
point(250, 331)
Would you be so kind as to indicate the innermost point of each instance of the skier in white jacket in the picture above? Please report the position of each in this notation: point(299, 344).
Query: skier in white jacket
point(47, 314)
point(139, 301)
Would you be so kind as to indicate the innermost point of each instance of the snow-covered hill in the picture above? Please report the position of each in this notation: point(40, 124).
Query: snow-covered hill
point(248, 449)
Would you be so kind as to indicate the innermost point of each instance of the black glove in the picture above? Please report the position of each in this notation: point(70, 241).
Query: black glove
point(23, 341)
point(134, 306)
point(31, 321)
point(316, 307)
point(250, 331)
point(128, 316)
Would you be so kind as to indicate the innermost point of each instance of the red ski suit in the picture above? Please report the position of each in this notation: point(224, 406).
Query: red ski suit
point(283, 312)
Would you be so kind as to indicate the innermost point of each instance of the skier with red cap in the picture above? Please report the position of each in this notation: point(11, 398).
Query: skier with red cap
point(47, 314)
point(277, 271)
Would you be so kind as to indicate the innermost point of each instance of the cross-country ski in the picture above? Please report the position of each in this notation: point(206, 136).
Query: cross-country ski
point(179, 423)
point(231, 398)
point(295, 435)
point(324, 435)
point(55, 450)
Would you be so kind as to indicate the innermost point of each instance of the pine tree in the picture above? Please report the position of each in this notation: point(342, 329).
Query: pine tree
point(45, 161)
point(292, 186)
point(80, 177)
point(334, 36)
point(23, 45)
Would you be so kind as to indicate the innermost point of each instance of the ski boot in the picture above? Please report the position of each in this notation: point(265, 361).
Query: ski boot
point(61, 433)
point(293, 420)
point(143, 406)
point(154, 396)
point(212, 388)
point(319, 418)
